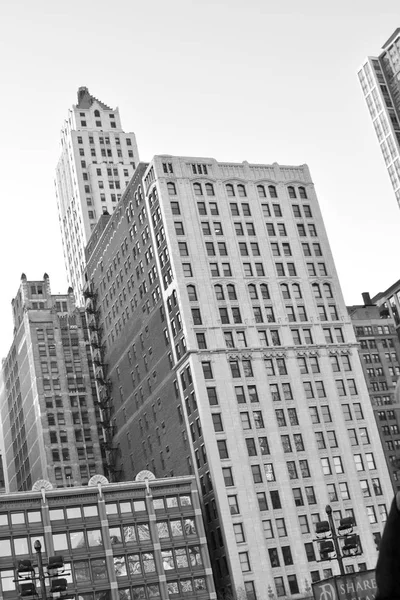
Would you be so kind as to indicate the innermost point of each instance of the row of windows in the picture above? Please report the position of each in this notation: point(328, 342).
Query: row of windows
point(240, 190)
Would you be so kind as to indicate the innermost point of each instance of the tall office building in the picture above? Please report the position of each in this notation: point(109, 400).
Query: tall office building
point(380, 81)
point(47, 400)
point(379, 352)
point(215, 310)
point(97, 161)
point(389, 303)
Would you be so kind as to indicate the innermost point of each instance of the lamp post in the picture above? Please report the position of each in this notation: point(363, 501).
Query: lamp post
point(38, 547)
point(328, 539)
point(339, 558)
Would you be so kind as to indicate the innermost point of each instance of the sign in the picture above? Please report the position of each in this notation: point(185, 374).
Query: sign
point(353, 586)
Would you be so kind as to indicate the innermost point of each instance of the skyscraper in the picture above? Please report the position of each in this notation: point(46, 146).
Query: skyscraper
point(379, 352)
point(97, 161)
point(214, 313)
point(380, 81)
point(47, 400)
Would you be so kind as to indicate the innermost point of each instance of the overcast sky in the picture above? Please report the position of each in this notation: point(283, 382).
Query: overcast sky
point(259, 80)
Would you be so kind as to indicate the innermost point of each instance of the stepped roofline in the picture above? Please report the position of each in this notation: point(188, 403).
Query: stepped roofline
point(85, 99)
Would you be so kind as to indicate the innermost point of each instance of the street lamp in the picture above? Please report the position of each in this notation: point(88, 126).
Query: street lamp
point(328, 539)
point(38, 547)
point(26, 577)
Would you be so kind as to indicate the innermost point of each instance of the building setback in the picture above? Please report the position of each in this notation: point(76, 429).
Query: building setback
point(379, 352)
point(380, 81)
point(140, 540)
point(47, 399)
point(97, 161)
point(215, 310)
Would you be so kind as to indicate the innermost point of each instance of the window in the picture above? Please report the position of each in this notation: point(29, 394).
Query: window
point(292, 192)
point(262, 502)
point(207, 370)
point(230, 190)
point(209, 189)
point(244, 561)
point(197, 189)
point(239, 533)
point(233, 505)
point(192, 294)
point(187, 270)
point(261, 191)
point(241, 191)
point(228, 477)
point(171, 188)
point(196, 316)
point(256, 471)
point(179, 230)
point(217, 422)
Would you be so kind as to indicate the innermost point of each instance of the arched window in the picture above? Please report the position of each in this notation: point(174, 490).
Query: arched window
point(253, 291)
point(302, 193)
point(328, 290)
point(230, 190)
point(171, 188)
point(272, 191)
point(198, 189)
point(261, 191)
point(191, 290)
point(219, 292)
point(316, 290)
point(285, 291)
point(264, 291)
point(292, 192)
point(241, 191)
point(296, 291)
point(96, 113)
point(231, 292)
point(209, 189)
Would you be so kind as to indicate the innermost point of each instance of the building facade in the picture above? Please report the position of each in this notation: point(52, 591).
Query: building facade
point(389, 303)
point(379, 352)
point(131, 541)
point(215, 312)
point(47, 400)
point(97, 161)
point(380, 81)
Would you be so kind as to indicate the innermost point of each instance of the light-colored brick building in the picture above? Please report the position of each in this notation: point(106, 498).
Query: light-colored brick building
point(97, 161)
point(47, 400)
point(215, 310)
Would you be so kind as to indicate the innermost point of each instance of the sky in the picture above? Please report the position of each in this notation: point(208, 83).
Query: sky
point(260, 80)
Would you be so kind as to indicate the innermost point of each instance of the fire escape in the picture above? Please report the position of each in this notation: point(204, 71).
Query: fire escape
point(103, 385)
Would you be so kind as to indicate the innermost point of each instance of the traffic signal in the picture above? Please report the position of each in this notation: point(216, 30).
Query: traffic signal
point(346, 523)
point(322, 527)
point(55, 563)
point(27, 589)
point(24, 566)
point(58, 586)
point(351, 545)
point(326, 548)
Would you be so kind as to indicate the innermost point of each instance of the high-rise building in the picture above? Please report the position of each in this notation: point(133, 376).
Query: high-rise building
point(389, 303)
point(47, 402)
point(380, 81)
point(97, 161)
point(379, 352)
point(137, 540)
point(215, 310)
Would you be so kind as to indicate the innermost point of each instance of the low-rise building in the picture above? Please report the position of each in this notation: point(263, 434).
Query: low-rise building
point(138, 540)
